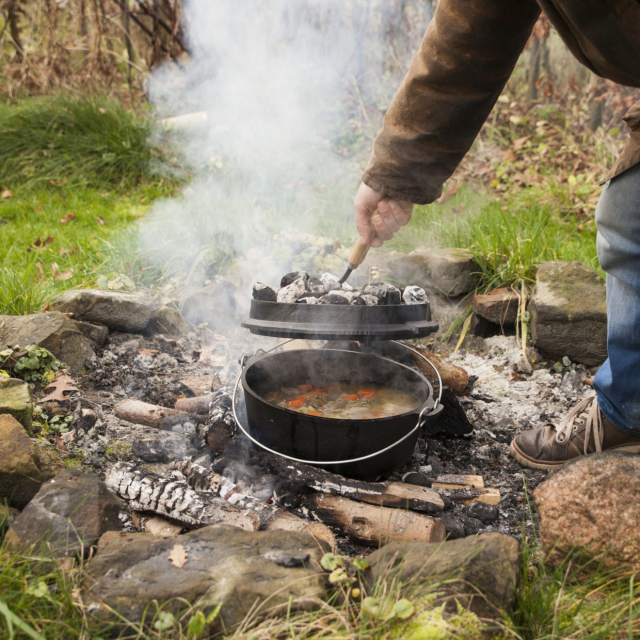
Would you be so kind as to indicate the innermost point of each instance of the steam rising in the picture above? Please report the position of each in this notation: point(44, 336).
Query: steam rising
point(287, 86)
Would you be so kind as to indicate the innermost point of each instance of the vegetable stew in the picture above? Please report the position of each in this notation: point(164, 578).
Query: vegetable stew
point(344, 401)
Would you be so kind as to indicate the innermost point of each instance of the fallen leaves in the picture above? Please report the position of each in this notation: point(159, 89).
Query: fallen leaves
point(68, 217)
point(65, 275)
point(178, 556)
point(101, 220)
point(148, 352)
point(62, 383)
point(7, 193)
point(38, 244)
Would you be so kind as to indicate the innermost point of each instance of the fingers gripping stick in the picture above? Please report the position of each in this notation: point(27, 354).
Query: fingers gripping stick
point(359, 251)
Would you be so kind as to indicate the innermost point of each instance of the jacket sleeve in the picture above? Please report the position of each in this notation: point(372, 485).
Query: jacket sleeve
point(466, 58)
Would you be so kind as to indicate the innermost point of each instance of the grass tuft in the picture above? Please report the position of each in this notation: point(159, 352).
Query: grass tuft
point(87, 141)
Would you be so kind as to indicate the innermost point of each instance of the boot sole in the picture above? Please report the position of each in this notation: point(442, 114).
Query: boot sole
point(535, 464)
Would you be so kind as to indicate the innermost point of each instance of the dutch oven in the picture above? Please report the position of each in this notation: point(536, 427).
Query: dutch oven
point(362, 449)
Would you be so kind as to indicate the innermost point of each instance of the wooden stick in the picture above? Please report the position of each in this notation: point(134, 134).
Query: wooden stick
point(152, 415)
point(173, 498)
point(199, 405)
point(375, 526)
point(220, 427)
point(394, 494)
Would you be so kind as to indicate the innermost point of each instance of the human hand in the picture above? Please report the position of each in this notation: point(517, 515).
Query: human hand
point(392, 214)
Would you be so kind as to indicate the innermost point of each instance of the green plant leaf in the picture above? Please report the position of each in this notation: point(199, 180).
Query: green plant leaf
point(197, 623)
point(360, 564)
point(330, 562)
point(165, 621)
point(403, 609)
point(379, 608)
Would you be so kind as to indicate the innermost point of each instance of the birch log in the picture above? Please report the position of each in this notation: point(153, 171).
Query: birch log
point(151, 415)
point(175, 499)
point(374, 526)
point(454, 377)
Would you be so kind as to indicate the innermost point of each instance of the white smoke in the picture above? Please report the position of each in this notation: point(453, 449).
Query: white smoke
point(293, 91)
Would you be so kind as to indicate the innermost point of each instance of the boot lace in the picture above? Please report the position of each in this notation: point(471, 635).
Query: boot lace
point(587, 410)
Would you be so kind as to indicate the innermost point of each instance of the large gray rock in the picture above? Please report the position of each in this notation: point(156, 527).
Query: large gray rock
point(20, 477)
point(569, 312)
point(70, 513)
point(590, 508)
point(117, 310)
point(53, 331)
point(479, 571)
point(16, 399)
point(452, 272)
point(224, 565)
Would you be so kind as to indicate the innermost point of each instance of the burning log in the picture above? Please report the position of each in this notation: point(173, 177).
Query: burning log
point(220, 426)
point(199, 405)
point(174, 498)
point(393, 494)
point(456, 378)
point(374, 526)
point(151, 415)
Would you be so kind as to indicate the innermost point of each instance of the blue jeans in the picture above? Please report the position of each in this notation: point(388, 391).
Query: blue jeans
point(617, 383)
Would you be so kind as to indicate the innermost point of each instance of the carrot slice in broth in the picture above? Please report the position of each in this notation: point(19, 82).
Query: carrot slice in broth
point(305, 387)
point(367, 393)
point(348, 396)
point(298, 402)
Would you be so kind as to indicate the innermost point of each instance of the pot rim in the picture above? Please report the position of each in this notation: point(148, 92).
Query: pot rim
point(429, 403)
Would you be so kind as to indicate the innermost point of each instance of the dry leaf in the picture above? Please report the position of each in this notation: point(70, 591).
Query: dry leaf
point(519, 143)
point(149, 352)
point(62, 449)
point(42, 243)
point(40, 275)
point(101, 220)
point(53, 183)
point(7, 193)
point(63, 382)
point(451, 191)
point(178, 556)
point(60, 276)
point(68, 217)
point(102, 110)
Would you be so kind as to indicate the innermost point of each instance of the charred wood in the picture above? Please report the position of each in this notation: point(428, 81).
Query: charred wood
point(391, 494)
point(220, 427)
point(374, 526)
point(173, 498)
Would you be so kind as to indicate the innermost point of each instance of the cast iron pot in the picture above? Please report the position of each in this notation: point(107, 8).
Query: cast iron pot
point(312, 438)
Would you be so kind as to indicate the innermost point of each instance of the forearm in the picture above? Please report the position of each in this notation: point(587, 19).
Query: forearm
point(466, 58)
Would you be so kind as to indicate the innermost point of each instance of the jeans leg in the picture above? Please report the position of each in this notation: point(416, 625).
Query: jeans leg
point(617, 383)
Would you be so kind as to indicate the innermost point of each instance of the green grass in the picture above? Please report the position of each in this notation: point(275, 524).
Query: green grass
point(509, 239)
point(88, 141)
point(82, 249)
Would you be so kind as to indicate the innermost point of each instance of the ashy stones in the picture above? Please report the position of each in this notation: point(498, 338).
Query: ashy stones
point(452, 272)
point(293, 291)
point(53, 331)
point(240, 569)
point(569, 312)
point(70, 513)
point(414, 295)
point(289, 278)
point(499, 306)
point(16, 400)
point(589, 508)
point(20, 477)
point(480, 572)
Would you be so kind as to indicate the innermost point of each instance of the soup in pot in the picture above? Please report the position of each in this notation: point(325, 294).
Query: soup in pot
point(345, 401)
